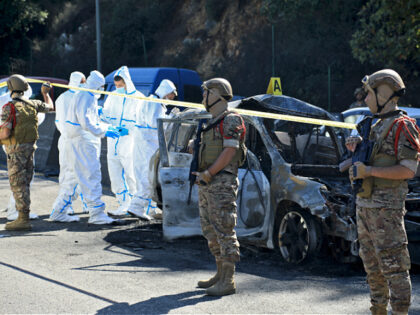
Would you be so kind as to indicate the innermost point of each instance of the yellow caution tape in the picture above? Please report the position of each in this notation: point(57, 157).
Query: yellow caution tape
point(247, 112)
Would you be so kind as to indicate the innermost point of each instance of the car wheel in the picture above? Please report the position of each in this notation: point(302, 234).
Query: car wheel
point(297, 235)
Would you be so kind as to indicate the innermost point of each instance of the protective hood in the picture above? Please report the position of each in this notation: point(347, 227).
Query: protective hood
point(76, 78)
point(125, 74)
point(165, 87)
point(95, 80)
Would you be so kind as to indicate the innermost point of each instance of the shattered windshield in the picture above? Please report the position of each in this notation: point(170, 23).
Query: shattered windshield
point(305, 143)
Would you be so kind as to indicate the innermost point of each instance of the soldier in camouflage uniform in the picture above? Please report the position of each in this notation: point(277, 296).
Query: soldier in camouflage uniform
point(222, 151)
point(380, 203)
point(19, 132)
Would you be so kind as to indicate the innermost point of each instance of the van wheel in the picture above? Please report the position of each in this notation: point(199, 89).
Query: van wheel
point(297, 235)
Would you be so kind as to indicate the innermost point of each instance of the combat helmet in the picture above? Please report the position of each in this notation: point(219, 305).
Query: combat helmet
point(385, 85)
point(386, 76)
point(17, 83)
point(222, 86)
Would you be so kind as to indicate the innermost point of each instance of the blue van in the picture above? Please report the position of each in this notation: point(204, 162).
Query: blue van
point(147, 80)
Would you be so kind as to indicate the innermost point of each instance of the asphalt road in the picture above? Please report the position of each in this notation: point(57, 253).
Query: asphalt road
point(128, 269)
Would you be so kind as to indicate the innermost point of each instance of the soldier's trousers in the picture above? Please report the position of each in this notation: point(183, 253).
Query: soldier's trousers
point(20, 167)
point(383, 249)
point(218, 216)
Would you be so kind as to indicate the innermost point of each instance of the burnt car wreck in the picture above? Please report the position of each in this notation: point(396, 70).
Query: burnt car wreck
point(291, 198)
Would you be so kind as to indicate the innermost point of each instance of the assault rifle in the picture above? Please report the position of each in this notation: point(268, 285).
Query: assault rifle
point(363, 149)
point(362, 152)
point(194, 162)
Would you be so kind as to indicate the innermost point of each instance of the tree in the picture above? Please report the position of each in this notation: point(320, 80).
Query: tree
point(20, 20)
point(389, 34)
point(313, 36)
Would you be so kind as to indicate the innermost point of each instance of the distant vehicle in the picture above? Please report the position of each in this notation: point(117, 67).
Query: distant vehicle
point(352, 115)
point(147, 80)
point(36, 87)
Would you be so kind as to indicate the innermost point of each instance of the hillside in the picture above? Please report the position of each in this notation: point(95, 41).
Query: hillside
point(322, 48)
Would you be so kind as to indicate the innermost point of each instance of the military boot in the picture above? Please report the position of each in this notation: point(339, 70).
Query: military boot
point(226, 284)
point(21, 223)
point(212, 281)
point(378, 310)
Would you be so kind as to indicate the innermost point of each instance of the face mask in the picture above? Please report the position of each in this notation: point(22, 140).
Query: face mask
point(120, 90)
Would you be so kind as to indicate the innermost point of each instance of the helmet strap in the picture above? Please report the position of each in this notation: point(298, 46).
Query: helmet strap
point(381, 107)
point(208, 106)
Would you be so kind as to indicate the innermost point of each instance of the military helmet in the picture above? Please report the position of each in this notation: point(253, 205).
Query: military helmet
point(358, 91)
point(221, 85)
point(385, 76)
point(17, 82)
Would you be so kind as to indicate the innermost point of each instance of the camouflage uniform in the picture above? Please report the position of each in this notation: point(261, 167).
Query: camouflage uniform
point(381, 230)
point(217, 200)
point(20, 160)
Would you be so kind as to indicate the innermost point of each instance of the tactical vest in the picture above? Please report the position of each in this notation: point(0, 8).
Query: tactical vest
point(380, 160)
point(211, 147)
point(26, 128)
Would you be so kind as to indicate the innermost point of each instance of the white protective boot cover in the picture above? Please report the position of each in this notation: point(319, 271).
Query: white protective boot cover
point(12, 213)
point(98, 216)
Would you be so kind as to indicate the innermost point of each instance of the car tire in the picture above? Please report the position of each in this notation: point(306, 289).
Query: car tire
point(297, 235)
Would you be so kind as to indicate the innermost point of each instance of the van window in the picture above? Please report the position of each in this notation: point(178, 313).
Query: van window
point(146, 89)
point(193, 93)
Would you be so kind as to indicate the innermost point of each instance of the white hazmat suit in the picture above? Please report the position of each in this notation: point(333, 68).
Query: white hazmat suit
point(12, 213)
point(146, 144)
point(85, 129)
point(120, 112)
point(69, 188)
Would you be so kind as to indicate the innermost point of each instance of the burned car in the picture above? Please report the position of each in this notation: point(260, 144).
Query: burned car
point(291, 197)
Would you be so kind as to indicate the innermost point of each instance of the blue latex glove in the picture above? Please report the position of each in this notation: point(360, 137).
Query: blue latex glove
point(100, 110)
point(112, 132)
point(123, 131)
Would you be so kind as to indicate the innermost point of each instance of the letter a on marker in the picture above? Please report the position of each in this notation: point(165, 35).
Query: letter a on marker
point(274, 87)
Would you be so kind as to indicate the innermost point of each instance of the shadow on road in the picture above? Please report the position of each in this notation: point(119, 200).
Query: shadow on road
point(159, 305)
point(147, 245)
point(42, 225)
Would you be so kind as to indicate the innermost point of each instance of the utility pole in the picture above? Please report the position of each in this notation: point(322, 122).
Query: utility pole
point(144, 50)
point(98, 37)
point(329, 88)
point(273, 52)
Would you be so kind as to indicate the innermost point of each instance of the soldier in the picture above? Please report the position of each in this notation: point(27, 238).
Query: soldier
point(380, 203)
point(359, 94)
point(222, 151)
point(19, 132)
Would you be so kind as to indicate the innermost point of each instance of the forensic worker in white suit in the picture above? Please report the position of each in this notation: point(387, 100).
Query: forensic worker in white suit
point(146, 144)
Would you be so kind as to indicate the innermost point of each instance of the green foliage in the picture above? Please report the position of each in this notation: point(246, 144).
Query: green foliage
point(123, 24)
point(389, 34)
point(20, 21)
point(310, 36)
point(215, 9)
point(126, 23)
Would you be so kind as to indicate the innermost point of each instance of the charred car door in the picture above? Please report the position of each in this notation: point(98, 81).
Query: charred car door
point(181, 219)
